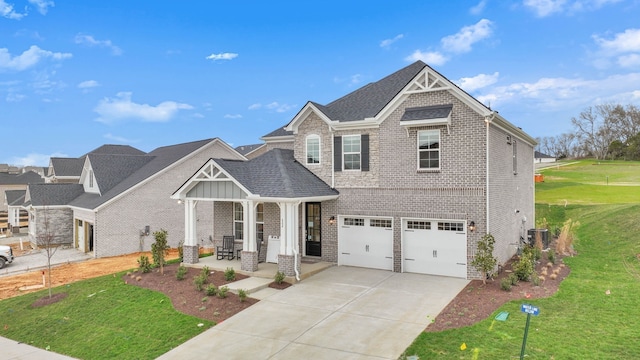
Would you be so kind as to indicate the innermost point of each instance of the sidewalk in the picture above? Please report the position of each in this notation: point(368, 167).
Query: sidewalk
point(13, 350)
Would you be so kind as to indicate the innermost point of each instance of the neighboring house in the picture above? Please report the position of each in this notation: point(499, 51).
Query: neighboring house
point(17, 181)
point(14, 200)
point(404, 174)
point(543, 158)
point(251, 151)
point(120, 197)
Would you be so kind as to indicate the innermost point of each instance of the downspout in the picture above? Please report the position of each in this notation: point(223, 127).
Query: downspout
point(333, 180)
point(488, 119)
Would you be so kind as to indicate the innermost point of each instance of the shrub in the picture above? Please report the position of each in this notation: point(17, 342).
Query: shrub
point(279, 278)
point(505, 284)
point(564, 245)
point(182, 271)
point(204, 272)
point(551, 256)
point(242, 294)
point(535, 279)
point(160, 248)
point(484, 261)
point(181, 250)
point(229, 274)
point(211, 290)
point(199, 282)
point(524, 267)
point(533, 251)
point(222, 292)
point(144, 264)
point(513, 278)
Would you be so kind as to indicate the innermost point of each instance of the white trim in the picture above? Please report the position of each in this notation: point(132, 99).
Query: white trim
point(278, 139)
point(254, 150)
point(306, 110)
point(427, 122)
point(359, 152)
point(418, 151)
point(306, 147)
point(291, 200)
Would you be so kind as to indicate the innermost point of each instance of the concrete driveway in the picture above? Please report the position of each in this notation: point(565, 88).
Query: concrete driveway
point(340, 313)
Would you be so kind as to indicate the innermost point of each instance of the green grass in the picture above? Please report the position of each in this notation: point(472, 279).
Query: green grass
point(101, 318)
point(591, 182)
point(580, 321)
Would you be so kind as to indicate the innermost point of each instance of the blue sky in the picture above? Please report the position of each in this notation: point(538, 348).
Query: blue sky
point(78, 74)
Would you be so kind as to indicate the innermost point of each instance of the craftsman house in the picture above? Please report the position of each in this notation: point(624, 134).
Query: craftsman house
point(404, 174)
point(112, 202)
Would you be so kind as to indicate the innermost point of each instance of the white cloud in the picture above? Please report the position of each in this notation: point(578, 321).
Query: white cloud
point(461, 42)
point(430, 57)
point(275, 106)
point(6, 10)
point(479, 8)
point(91, 41)
point(42, 5)
point(15, 97)
point(478, 82)
point(628, 61)
point(121, 107)
point(119, 139)
point(28, 58)
point(222, 56)
point(387, 42)
point(628, 41)
point(88, 84)
point(543, 8)
point(232, 116)
point(35, 159)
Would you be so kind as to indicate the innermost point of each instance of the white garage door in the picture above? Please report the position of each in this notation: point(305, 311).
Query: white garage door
point(437, 247)
point(365, 242)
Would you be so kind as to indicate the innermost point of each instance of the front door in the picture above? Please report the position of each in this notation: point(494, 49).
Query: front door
point(313, 243)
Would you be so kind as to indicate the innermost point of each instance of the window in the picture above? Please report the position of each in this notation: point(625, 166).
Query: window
point(429, 149)
point(351, 152)
point(238, 221)
point(353, 222)
point(90, 178)
point(451, 226)
point(515, 157)
point(313, 149)
point(260, 222)
point(419, 225)
point(382, 223)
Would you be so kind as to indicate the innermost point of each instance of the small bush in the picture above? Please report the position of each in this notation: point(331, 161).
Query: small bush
point(505, 284)
point(222, 292)
point(535, 279)
point(199, 282)
point(182, 271)
point(279, 278)
point(551, 256)
point(483, 260)
point(229, 274)
point(524, 267)
point(211, 290)
point(242, 294)
point(204, 272)
point(513, 278)
point(144, 264)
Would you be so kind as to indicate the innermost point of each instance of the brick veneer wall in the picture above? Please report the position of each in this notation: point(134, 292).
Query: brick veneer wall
point(57, 222)
point(118, 225)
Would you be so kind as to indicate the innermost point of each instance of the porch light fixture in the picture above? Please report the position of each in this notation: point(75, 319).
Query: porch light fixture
point(332, 220)
point(472, 226)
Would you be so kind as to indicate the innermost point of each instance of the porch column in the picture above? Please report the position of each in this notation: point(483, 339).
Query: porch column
point(249, 249)
point(288, 238)
point(190, 246)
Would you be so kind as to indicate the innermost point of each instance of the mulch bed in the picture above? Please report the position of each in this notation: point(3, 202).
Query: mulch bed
point(49, 300)
point(184, 296)
point(477, 301)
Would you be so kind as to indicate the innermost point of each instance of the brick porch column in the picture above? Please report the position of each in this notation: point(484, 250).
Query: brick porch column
point(190, 254)
point(249, 261)
point(286, 264)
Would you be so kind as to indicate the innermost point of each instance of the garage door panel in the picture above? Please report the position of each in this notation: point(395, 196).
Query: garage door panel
point(365, 242)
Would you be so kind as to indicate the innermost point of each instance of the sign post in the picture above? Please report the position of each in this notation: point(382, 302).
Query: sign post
point(529, 310)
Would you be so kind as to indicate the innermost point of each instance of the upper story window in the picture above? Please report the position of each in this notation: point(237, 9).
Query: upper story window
point(351, 152)
point(429, 150)
point(90, 178)
point(313, 149)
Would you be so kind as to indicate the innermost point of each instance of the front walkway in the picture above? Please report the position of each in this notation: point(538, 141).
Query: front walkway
point(340, 313)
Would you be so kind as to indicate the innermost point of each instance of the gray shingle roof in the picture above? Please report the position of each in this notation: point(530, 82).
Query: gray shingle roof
point(28, 177)
point(110, 170)
point(427, 112)
point(160, 159)
point(245, 149)
point(277, 174)
point(67, 166)
point(52, 194)
point(116, 150)
point(278, 132)
point(370, 99)
point(15, 197)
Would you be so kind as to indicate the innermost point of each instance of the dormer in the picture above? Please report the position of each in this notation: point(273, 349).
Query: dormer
point(88, 178)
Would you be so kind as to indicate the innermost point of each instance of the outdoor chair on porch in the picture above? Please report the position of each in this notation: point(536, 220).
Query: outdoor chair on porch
point(227, 248)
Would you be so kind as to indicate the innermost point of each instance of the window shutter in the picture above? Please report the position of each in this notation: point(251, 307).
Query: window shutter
point(337, 153)
point(364, 152)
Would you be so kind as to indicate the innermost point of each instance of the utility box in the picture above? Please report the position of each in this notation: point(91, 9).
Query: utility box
point(544, 235)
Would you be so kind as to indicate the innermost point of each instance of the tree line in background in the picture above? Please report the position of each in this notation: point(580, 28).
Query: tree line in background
point(608, 131)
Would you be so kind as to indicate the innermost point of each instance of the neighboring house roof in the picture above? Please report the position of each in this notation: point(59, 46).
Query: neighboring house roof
point(246, 149)
point(15, 197)
point(276, 174)
point(67, 166)
point(116, 150)
point(279, 132)
point(52, 194)
point(539, 155)
point(151, 164)
point(28, 177)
